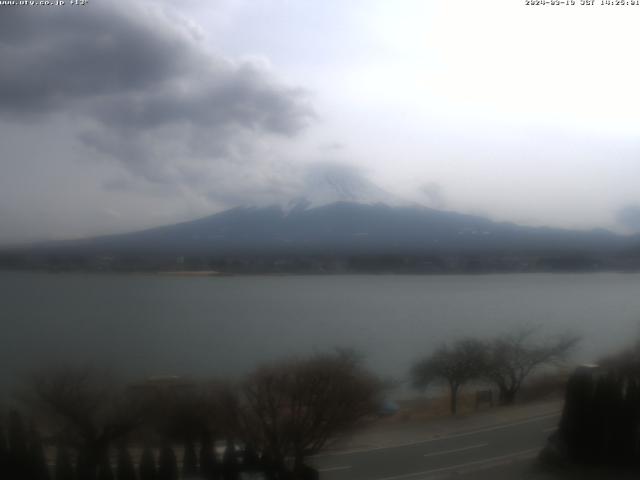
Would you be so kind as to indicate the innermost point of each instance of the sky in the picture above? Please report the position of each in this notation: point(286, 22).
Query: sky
point(117, 116)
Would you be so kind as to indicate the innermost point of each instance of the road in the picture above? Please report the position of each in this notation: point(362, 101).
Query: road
point(457, 453)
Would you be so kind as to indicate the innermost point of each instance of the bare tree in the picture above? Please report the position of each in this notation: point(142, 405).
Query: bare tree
point(85, 409)
point(455, 364)
point(293, 408)
point(180, 412)
point(513, 357)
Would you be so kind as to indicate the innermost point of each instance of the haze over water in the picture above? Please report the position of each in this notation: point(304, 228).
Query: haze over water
point(142, 325)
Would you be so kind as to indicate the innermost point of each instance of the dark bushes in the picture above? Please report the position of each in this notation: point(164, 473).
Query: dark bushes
point(86, 417)
point(600, 423)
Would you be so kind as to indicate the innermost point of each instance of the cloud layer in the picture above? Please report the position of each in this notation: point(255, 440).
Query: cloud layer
point(629, 218)
point(138, 87)
point(124, 115)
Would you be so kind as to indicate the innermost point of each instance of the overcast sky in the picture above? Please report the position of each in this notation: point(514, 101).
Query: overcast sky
point(121, 115)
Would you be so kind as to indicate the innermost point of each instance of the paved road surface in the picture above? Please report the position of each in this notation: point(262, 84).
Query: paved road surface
point(458, 453)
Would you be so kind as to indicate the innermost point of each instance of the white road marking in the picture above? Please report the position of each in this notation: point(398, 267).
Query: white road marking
point(455, 450)
point(547, 430)
point(462, 465)
point(436, 439)
point(334, 469)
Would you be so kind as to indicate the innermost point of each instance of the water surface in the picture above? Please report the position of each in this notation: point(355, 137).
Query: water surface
point(146, 324)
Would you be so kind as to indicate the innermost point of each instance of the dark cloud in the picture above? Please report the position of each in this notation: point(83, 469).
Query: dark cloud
point(629, 217)
point(139, 86)
point(60, 56)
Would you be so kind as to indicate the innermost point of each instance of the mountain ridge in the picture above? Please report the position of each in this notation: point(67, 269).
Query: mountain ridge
point(345, 227)
point(336, 238)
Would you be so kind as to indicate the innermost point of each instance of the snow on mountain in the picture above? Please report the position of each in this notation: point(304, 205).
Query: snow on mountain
point(328, 183)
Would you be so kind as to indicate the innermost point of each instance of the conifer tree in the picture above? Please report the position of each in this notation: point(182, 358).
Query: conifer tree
point(230, 462)
point(86, 465)
point(633, 410)
point(125, 469)
point(189, 460)
point(576, 424)
point(4, 451)
point(63, 468)
point(37, 460)
point(148, 465)
point(250, 458)
point(105, 472)
point(18, 447)
point(208, 467)
point(167, 464)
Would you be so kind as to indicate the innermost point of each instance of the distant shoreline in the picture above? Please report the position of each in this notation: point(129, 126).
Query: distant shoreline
point(220, 274)
point(191, 273)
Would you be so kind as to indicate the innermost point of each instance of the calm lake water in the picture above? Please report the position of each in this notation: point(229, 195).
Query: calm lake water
point(144, 324)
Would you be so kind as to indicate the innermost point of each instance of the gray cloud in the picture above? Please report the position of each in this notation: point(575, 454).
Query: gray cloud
point(131, 106)
point(629, 217)
point(59, 57)
point(139, 86)
point(434, 194)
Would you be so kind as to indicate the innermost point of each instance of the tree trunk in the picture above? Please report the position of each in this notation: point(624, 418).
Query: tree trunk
point(273, 466)
point(454, 398)
point(298, 466)
point(507, 396)
point(87, 463)
point(302, 471)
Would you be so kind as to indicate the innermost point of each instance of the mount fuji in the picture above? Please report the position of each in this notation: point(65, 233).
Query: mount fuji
point(339, 215)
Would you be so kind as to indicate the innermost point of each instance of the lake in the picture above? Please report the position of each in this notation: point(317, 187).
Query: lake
point(223, 326)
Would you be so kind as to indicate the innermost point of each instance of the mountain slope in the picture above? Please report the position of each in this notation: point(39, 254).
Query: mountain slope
point(345, 228)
